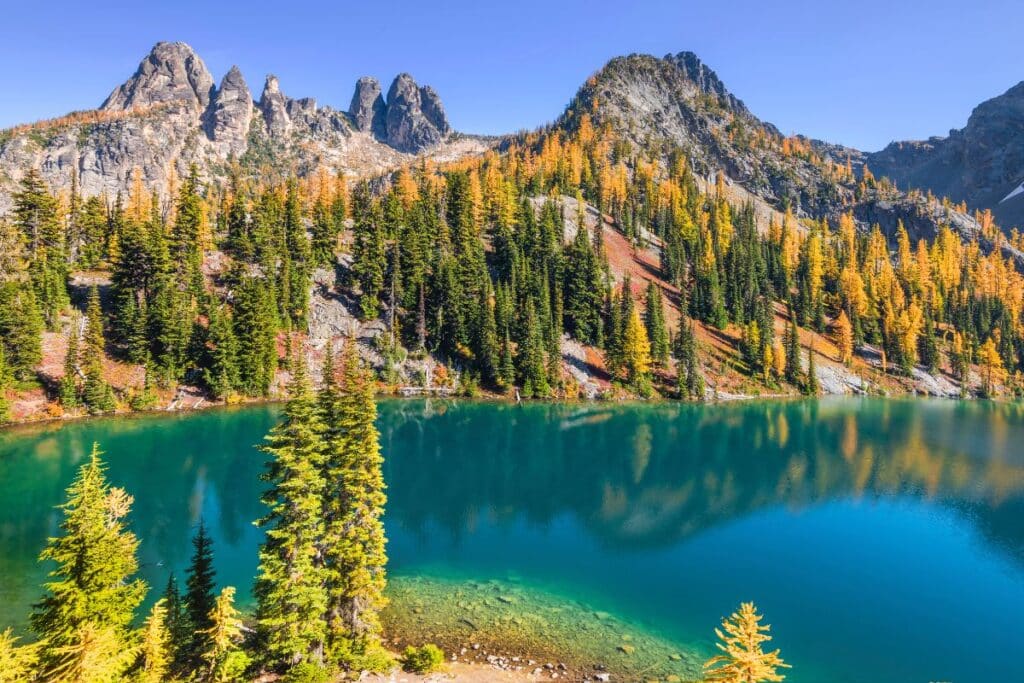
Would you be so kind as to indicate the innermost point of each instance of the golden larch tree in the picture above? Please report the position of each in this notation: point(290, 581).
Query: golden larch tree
point(742, 658)
point(844, 337)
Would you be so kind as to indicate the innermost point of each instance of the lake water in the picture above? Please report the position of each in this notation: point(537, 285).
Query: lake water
point(883, 540)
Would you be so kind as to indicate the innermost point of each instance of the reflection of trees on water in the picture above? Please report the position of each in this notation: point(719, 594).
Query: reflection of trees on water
point(173, 466)
point(649, 475)
point(634, 475)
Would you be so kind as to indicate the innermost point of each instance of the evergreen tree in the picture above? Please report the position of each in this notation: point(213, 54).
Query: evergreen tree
point(486, 342)
point(813, 387)
point(155, 655)
point(654, 321)
point(298, 258)
point(93, 224)
point(530, 356)
point(327, 225)
point(84, 620)
point(224, 661)
point(791, 343)
point(690, 381)
point(290, 587)
point(185, 240)
point(69, 382)
point(928, 350)
point(369, 251)
point(583, 289)
point(200, 582)
point(353, 540)
point(97, 395)
point(220, 362)
point(36, 215)
point(179, 632)
point(21, 327)
point(255, 332)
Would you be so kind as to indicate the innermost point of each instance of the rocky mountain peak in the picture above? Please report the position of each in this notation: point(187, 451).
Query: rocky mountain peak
point(227, 122)
point(430, 104)
point(981, 163)
point(705, 78)
point(408, 125)
point(274, 107)
point(367, 108)
point(171, 72)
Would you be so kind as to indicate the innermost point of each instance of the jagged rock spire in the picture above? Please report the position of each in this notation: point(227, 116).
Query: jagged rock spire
point(367, 108)
point(408, 127)
point(230, 113)
point(171, 72)
point(275, 107)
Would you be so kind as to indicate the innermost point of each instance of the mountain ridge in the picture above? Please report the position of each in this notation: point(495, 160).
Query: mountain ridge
point(981, 163)
point(171, 112)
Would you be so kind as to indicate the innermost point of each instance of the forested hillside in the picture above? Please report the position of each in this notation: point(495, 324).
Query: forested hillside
point(658, 240)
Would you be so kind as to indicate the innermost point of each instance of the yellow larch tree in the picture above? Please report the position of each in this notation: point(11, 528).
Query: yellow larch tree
point(743, 659)
point(636, 348)
point(844, 337)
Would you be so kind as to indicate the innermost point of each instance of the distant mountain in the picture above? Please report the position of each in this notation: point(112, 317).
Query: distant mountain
point(679, 103)
point(172, 113)
point(981, 164)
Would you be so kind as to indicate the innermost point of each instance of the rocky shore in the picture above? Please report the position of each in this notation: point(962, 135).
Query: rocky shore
point(506, 626)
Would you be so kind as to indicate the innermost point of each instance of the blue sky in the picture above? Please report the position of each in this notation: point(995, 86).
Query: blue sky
point(860, 73)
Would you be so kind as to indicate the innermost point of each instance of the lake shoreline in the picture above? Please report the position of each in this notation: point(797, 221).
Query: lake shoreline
point(513, 625)
point(484, 398)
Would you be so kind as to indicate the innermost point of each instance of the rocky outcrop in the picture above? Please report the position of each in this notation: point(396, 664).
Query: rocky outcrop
point(169, 115)
point(171, 72)
point(227, 123)
point(411, 120)
point(981, 164)
point(706, 79)
point(367, 108)
point(433, 110)
point(407, 126)
point(677, 103)
point(275, 108)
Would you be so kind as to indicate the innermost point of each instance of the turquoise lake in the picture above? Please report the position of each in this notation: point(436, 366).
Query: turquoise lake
point(882, 539)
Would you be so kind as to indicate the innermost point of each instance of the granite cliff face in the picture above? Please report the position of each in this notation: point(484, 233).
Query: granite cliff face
point(981, 164)
point(414, 117)
point(228, 120)
point(170, 113)
point(367, 108)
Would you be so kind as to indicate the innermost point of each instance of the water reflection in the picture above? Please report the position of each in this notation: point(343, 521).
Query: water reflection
point(649, 476)
point(632, 476)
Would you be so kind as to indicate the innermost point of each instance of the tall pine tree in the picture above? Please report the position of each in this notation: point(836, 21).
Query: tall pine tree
point(290, 587)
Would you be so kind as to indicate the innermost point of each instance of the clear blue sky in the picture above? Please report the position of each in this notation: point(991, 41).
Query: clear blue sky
point(861, 74)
